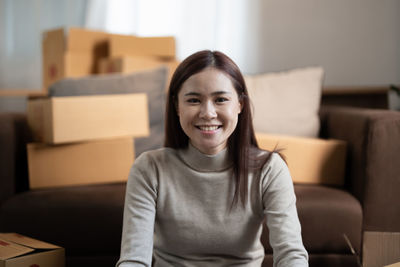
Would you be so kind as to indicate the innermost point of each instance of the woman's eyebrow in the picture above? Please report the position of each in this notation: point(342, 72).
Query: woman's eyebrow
point(213, 93)
point(220, 93)
point(192, 93)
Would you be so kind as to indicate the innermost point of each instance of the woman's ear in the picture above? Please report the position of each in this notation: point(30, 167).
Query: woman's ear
point(240, 104)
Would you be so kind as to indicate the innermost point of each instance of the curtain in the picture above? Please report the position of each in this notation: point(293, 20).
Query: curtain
point(21, 25)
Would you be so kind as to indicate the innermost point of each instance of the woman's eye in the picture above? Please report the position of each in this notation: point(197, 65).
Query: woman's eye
point(221, 99)
point(193, 100)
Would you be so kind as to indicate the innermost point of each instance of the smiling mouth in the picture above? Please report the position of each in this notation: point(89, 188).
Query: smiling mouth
point(208, 127)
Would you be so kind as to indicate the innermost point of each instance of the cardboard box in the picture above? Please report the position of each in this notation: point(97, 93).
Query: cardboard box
point(69, 64)
point(93, 162)
point(128, 64)
point(310, 160)
point(18, 250)
point(76, 52)
point(58, 120)
point(73, 52)
point(127, 45)
point(381, 248)
point(79, 64)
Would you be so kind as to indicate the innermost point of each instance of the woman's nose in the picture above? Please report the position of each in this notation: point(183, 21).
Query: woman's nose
point(207, 110)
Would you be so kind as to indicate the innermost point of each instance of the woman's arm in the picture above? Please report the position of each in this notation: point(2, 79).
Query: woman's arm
point(281, 215)
point(139, 216)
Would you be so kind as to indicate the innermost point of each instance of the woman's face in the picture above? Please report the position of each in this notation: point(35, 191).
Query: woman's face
point(208, 108)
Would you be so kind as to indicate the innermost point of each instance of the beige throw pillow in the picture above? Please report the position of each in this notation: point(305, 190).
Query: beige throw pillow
point(286, 102)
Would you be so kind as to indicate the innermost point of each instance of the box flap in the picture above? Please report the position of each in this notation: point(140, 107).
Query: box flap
point(10, 250)
point(87, 41)
point(27, 241)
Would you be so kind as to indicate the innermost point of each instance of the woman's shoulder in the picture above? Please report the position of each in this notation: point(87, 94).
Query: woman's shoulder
point(156, 154)
point(151, 162)
point(274, 171)
point(271, 165)
point(268, 158)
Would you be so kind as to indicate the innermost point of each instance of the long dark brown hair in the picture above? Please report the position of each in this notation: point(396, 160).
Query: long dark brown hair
point(242, 143)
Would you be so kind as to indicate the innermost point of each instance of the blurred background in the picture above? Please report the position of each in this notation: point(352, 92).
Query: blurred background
point(357, 42)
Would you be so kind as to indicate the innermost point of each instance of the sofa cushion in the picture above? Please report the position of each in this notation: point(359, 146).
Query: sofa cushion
point(151, 82)
point(85, 220)
point(286, 102)
point(55, 215)
point(326, 214)
point(323, 260)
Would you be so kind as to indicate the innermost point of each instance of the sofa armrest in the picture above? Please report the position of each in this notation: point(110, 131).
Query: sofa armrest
point(14, 134)
point(373, 160)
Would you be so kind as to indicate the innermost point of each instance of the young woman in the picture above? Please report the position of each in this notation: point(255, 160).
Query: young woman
point(202, 199)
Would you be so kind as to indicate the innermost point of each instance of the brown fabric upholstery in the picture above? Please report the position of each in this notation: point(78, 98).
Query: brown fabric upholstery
point(14, 134)
point(98, 260)
point(85, 220)
point(373, 173)
point(323, 260)
point(377, 100)
point(325, 214)
point(7, 155)
point(56, 215)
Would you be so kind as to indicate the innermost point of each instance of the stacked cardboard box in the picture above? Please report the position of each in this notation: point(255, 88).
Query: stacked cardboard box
point(71, 53)
point(127, 45)
point(310, 160)
point(77, 52)
point(84, 139)
point(127, 64)
point(129, 54)
point(89, 139)
point(59, 120)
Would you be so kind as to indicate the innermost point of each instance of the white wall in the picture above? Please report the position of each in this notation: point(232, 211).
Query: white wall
point(356, 41)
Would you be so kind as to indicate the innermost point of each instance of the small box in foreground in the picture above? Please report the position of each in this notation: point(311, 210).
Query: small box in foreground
point(381, 249)
point(310, 160)
point(17, 250)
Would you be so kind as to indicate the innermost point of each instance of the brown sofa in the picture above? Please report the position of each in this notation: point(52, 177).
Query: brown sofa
point(87, 220)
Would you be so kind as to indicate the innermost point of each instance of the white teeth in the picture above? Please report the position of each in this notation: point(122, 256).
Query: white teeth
point(208, 128)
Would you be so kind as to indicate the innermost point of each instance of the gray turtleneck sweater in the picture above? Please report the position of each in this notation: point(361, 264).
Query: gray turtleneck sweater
point(177, 213)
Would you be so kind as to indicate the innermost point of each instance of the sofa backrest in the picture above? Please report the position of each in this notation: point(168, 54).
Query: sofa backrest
point(14, 135)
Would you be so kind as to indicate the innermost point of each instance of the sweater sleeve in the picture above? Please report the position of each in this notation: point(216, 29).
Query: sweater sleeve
point(139, 215)
point(281, 215)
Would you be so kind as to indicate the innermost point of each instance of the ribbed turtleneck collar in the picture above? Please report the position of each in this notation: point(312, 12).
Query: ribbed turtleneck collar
point(203, 162)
